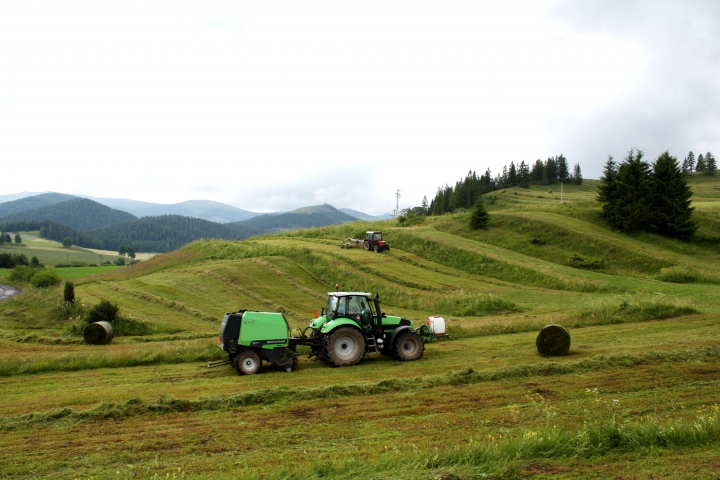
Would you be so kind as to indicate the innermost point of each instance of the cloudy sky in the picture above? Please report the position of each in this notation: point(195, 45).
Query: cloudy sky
point(273, 105)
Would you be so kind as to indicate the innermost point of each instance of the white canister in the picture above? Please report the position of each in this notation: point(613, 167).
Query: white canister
point(436, 325)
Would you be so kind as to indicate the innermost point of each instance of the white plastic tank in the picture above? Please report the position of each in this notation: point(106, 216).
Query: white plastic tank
point(436, 325)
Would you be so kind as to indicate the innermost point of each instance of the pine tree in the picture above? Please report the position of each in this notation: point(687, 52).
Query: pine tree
point(634, 208)
point(562, 167)
point(512, 175)
point(607, 192)
point(710, 165)
point(671, 199)
point(700, 166)
point(577, 175)
point(690, 159)
point(18, 239)
point(479, 217)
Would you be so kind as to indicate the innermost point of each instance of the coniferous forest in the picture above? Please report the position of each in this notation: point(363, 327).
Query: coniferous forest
point(466, 191)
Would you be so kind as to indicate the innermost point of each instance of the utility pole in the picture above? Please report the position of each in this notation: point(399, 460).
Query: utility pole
point(397, 203)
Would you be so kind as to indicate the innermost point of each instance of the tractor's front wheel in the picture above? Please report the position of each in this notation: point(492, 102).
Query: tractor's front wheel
point(345, 347)
point(366, 244)
point(248, 363)
point(409, 346)
point(376, 248)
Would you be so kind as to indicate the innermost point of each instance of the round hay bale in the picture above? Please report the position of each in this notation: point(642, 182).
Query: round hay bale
point(98, 333)
point(553, 341)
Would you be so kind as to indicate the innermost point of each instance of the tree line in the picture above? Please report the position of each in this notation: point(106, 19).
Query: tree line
point(704, 164)
point(636, 196)
point(468, 190)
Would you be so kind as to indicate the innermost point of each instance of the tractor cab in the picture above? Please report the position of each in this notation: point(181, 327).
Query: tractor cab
point(357, 306)
point(374, 236)
point(374, 241)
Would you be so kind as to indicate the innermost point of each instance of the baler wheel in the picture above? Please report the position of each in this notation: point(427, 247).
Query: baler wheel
point(409, 346)
point(346, 347)
point(248, 363)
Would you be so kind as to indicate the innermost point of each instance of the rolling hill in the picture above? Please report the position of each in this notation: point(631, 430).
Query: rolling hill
point(32, 202)
point(307, 217)
point(205, 209)
point(365, 216)
point(165, 233)
point(636, 396)
point(78, 213)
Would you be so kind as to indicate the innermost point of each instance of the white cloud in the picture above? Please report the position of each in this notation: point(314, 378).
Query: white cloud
point(276, 105)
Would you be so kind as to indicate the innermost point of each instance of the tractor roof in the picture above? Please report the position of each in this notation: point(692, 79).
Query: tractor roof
point(347, 294)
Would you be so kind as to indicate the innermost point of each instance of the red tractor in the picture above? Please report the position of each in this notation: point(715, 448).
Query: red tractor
point(373, 241)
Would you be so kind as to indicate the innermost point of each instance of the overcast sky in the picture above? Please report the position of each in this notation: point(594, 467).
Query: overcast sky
point(274, 106)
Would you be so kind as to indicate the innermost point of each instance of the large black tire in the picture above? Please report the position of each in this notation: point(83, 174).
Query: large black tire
point(366, 244)
point(408, 346)
point(376, 248)
point(345, 347)
point(248, 363)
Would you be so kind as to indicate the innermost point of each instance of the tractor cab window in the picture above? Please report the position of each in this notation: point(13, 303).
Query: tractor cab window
point(377, 236)
point(355, 305)
point(331, 306)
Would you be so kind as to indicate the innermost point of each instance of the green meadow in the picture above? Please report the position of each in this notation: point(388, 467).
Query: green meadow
point(637, 397)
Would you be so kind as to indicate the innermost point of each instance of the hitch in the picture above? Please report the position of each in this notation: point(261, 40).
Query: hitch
point(218, 364)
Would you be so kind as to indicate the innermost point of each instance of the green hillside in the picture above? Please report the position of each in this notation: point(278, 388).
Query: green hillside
point(33, 202)
point(79, 213)
point(635, 398)
point(166, 233)
point(306, 217)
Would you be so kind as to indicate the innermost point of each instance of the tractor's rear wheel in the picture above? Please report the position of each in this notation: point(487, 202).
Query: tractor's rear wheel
point(376, 248)
point(409, 346)
point(345, 347)
point(366, 244)
point(248, 363)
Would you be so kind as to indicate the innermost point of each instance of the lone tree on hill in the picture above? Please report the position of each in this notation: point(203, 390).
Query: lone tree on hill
point(18, 239)
point(479, 216)
point(67, 242)
point(671, 199)
point(122, 250)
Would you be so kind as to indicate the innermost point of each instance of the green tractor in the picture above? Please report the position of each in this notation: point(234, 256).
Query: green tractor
point(351, 325)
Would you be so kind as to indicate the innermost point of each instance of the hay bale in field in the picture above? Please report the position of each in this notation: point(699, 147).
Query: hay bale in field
point(98, 333)
point(553, 341)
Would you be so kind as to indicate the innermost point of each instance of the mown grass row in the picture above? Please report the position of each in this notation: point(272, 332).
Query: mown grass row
point(479, 264)
point(502, 457)
point(167, 354)
point(600, 313)
point(467, 376)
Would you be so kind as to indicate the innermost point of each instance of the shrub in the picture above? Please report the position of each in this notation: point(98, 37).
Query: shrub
point(69, 292)
point(410, 219)
point(22, 274)
point(120, 262)
point(102, 312)
point(45, 278)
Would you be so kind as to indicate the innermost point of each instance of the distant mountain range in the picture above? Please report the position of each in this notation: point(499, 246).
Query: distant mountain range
point(92, 224)
point(205, 209)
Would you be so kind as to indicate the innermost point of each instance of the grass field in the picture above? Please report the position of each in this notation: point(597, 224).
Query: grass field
point(637, 397)
point(51, 253)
